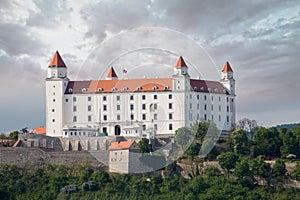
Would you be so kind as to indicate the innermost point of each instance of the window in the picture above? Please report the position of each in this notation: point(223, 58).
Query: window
point(89, 108)
point(144, 127)
point(132, 117)
point(204, 97)
point(67, 100)
point(118, 98)
point(131, 97)
point(104, 98)
point(191, 96)
point(70, 90)
point(155, 106)
point(52, 110)
point(143, 97)
point(89, 98)
point(74, 118)
point(155, 88)
point(204, 106)
point(114, 89)
point(227, 99)
point(83, 90)
point(212, 98)
point(170, 127)
point(170, 96)
point(198, 106)
point(227, 119)
point(231, 100)
point(191, 106)
point(53, 86)
point(170, 116)
point(104, 107)
point(219, 98)
point(155, 116)
point(205, 117)
point(144, 106)
point(219, 118)
point(53, 93)
point(144, 117)
point(53, 100)
point(212, 117)
point(89, 118)
point(155, 127)
point(198, 116)
point(104, 117)
point(212, 107)
point(53, 120)
point(131, 106)
point(198, 96)
point(118, 117)
point(74, 108)
point(166, 87)
point(170, 105)
point(100, 89)
point(220, 108)
point(74, 99)
point(118, 107)
point(227, 108)
point(155, 96)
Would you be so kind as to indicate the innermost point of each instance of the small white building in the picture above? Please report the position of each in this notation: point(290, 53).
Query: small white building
point(145, 106)
point(123, 156)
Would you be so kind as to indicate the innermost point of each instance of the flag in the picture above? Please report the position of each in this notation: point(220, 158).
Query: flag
point(124, 71)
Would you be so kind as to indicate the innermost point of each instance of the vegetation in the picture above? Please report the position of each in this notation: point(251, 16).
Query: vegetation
point(85, 182)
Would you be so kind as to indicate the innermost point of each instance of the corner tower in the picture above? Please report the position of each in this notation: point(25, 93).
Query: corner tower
point(181, 77)
point(227, 78)
point(56, 84)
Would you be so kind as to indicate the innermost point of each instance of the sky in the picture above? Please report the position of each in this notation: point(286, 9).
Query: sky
point(260, 39)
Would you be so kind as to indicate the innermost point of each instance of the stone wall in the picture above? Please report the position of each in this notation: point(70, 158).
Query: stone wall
point(37, 157)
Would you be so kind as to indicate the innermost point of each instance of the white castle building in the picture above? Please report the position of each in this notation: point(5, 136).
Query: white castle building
point(135, 107)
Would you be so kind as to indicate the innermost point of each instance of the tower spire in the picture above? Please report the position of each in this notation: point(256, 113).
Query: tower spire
point(57, 61)
point(227, 67)
point(180, 62)
point(111, 74)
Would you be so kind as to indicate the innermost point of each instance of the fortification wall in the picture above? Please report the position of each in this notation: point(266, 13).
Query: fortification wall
point(37, 157)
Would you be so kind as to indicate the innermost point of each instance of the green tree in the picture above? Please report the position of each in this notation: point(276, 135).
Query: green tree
point(261, 168)
point(2, 137)
point(228, 160)
point(240, 141)
point(295, 174)
point(279, 170)
point(267, 142)
point(193, 150)
point(290, 145)
point(243, 173)
point(183, 137)
point(14, 135)
point(145, 145)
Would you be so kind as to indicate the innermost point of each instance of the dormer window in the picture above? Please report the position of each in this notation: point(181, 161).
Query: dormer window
point(114, 89)
point(166, 87)
point(139, 88)
point(195, 87)
point(202, 88)
point(100, 89)
point(155, 88)
point(83, 90)
point(208, 89)
point(125, 88)
point(70, 90)
point(216, 89)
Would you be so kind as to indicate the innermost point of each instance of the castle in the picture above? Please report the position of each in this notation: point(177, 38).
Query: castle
point(145, 107)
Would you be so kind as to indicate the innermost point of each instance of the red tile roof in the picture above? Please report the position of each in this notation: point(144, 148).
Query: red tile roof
point(122, 145)
point(124, 85)
point(180, 63)
point(227, 67)
point(207, 86)
point(112, 73)
point(57, 61)
point(40, 130)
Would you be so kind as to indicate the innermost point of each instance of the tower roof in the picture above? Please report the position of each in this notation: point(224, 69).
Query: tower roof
point(112, 73)
point(227, 67)
point(57, 61)
point(180, 62)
